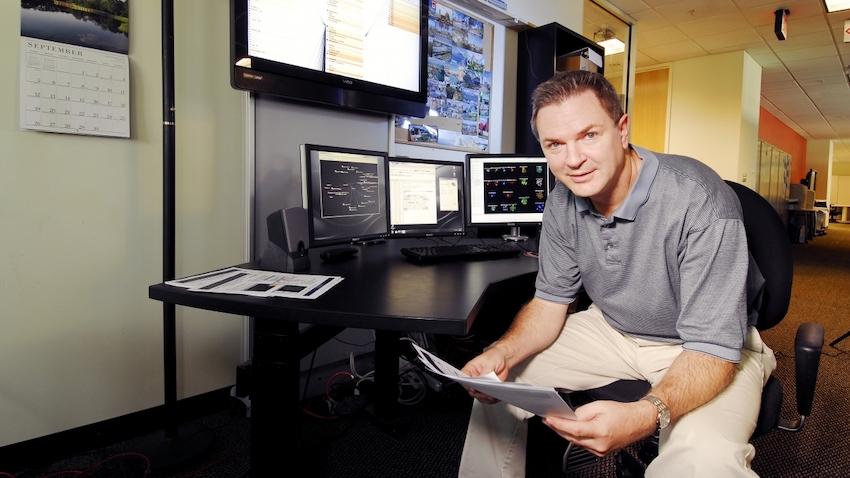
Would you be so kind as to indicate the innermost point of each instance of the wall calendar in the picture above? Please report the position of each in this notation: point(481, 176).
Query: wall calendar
point(73, 89)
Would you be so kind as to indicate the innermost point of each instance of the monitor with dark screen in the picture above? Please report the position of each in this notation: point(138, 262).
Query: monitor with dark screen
point(344, 193)
point(506, 189)
point(425, 197)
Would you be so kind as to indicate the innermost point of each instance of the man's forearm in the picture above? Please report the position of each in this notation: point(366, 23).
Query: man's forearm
point(537, 325)
point(693, 379)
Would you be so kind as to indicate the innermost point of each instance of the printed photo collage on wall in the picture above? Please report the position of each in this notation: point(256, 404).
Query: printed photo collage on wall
point(458, 84)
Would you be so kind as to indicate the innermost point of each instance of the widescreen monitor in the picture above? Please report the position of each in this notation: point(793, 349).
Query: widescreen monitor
point(425, 197)
point(365, 54)
point(506, 189)
point(344, 192)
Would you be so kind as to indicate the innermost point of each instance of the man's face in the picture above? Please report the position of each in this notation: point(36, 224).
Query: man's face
point(584, 147)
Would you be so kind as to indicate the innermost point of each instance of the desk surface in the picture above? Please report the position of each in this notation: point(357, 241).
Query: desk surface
point(381, 290)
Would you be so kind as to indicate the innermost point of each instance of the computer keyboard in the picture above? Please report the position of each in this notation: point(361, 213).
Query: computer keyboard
point(462, 252)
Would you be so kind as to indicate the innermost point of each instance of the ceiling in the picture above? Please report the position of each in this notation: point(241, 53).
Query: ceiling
point(804, 82)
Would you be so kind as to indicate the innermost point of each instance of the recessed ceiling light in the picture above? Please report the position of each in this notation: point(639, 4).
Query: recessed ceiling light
point(608, 40)
point(612, 46)
point(836, 5)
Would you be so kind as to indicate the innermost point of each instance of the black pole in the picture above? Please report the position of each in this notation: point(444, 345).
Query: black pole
point(168, 448)
point(168, 221)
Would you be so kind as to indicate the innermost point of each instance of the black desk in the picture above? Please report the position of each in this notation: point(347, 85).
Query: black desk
point(801, 225)
point(381, 291)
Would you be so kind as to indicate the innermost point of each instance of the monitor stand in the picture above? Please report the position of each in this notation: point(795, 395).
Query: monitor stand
point(514, 235)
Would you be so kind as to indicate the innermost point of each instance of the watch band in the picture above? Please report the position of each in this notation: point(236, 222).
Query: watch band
point(663, 417)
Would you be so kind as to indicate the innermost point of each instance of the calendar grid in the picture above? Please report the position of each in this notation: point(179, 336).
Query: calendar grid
point(72, 89)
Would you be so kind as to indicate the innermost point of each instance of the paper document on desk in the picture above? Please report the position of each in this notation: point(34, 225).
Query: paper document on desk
point(542, 401)
point(257, 283)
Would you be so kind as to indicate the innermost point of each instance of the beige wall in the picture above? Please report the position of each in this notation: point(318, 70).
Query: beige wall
point(714, 113)
point(819, 158)
point(748, 157)
point(541, 12)
point(81, 236)
point(841, 169)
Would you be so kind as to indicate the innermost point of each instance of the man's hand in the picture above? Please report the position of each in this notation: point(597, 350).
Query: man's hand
point(492, 360)
point(605, 426)
point(535, 327)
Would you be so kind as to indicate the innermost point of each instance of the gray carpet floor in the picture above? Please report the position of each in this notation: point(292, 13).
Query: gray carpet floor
point(429, 443)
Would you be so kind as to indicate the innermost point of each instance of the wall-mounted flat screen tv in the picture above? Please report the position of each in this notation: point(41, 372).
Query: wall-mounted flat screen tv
point(358, 54)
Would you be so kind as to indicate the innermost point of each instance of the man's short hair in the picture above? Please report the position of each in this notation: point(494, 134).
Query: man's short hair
point(566, 84)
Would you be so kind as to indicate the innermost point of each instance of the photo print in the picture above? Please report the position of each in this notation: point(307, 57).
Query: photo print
point(99, 24)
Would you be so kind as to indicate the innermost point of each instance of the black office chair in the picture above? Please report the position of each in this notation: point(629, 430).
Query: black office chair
point(549, 455)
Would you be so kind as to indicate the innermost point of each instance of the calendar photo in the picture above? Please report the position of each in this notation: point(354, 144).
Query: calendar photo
point(99, 24)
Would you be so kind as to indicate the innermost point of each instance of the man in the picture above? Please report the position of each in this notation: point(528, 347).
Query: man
point(658, 244)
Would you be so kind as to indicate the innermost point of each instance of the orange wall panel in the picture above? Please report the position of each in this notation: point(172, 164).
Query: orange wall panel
point(649, 110)
point(775, 132)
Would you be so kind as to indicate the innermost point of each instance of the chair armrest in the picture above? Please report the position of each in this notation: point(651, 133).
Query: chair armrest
point(807, 345)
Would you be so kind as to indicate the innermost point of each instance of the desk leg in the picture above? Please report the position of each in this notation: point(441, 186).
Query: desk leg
point(275, 412)
point(387, 351)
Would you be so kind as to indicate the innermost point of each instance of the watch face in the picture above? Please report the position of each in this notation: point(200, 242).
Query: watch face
point(663, 419)
point(663, 412)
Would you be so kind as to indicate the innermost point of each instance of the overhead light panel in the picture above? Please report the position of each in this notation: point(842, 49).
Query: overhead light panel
point(836, 5)
point(607, 40)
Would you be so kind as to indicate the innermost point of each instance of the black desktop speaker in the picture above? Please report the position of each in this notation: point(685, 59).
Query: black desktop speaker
point(288, 237)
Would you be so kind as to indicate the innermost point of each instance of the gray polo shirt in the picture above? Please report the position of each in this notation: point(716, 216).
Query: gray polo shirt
point(670, 264)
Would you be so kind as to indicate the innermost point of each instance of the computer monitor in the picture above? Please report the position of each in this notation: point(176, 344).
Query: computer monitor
point(506, 190)
point(344, 192)
point(425, 197)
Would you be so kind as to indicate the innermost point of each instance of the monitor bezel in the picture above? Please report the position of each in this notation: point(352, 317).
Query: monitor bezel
point(468, 191)
point(311, 86)
point(461, 210)
point(307, 196)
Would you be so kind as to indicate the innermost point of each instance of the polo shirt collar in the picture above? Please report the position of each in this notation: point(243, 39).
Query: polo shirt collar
point(640, 190)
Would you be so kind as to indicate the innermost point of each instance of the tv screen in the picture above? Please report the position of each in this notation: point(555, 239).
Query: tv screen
point(506, 189)
point(365, 54)
point(344, 192)
point(425, 197)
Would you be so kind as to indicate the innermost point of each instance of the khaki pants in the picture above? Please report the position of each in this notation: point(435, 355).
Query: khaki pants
point(710, 441)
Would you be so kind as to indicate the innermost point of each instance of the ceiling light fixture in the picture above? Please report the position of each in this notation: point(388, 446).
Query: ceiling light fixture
point(606, 39)
point(836, 5)
point(780, 25)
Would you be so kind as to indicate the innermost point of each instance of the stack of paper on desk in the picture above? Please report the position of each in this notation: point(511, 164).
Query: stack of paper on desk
point(235, 280)
point(542, 401)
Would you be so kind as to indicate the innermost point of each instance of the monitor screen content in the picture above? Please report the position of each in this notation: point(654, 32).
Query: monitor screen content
point(364, 54)
point(506, 190)
point(425, 197)
point(345, 194)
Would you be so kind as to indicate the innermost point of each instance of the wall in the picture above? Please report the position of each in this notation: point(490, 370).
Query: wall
point(748, 151)
point(839, 185)
point(81, 220)
point(819, 158)
point(775, 132)
point(540, 12)
point(714, 113)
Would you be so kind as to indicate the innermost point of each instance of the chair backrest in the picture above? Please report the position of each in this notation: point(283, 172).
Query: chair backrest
point(767, 239)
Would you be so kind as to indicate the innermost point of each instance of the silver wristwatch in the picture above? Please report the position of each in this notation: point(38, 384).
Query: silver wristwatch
point(663, 418)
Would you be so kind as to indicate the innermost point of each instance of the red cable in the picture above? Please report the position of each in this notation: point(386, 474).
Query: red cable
point(56, 474)
point(330, 379)
point(316, 415)
point(3, 474)
point(99, 464)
